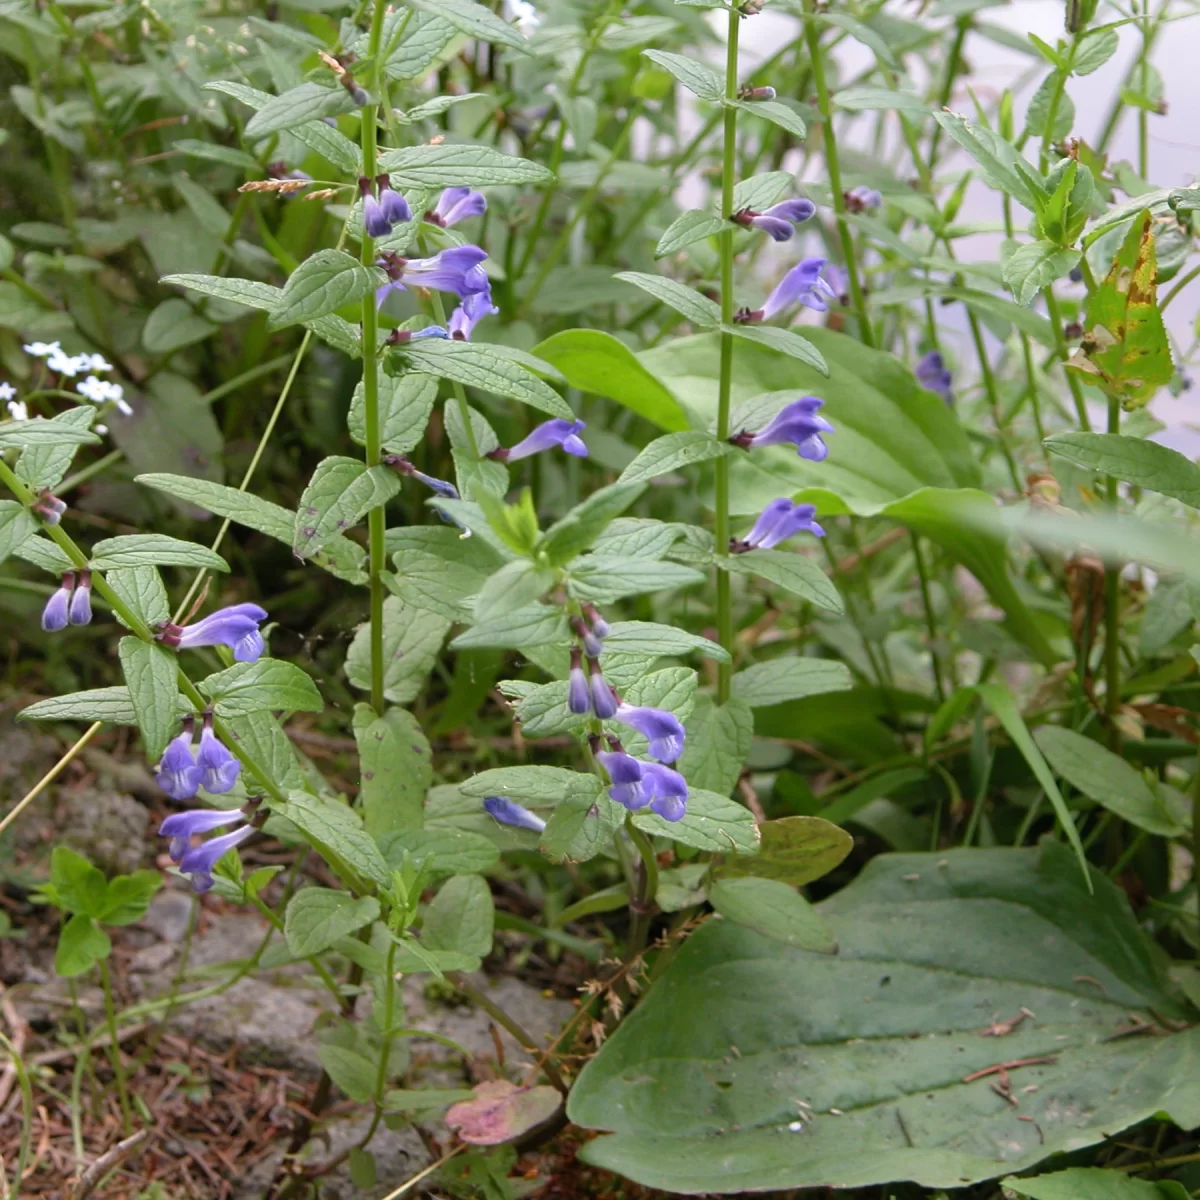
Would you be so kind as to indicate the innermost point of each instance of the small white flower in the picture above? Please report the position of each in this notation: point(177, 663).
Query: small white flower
point(18, 410)
point(122, 404)
point(64, 364)
point(527, 17)
point(100, 428)
point(95, 390)
point(7, 391)
point(42, 349)
point(93, 362)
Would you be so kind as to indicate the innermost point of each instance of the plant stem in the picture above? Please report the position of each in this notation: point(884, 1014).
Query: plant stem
point(1112, 607)
point(389, 1013)
point(114, 1048)
point(1060, 342)
point(647, 890)
point(952, 63)
point(376, 518)
point(930, 618)
point(989, 386)
point(833, 165)
point(721, 522)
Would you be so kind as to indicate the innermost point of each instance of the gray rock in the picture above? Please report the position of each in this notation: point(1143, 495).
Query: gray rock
point(170, 914)
point(108, 827)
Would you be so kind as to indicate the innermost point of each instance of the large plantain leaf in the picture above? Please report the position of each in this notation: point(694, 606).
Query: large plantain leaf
point(752, 1065)
point(898, 451)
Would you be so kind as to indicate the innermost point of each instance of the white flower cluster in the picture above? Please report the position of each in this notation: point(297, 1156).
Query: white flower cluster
point(16, 408)
point(98, 391)
point(527, 17)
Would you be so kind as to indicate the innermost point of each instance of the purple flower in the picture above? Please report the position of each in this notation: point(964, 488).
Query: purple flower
point(457, 204)
point(600, 627)
point(625, 773)
point(796, 423)
point(931, 373)
point(778, 521)
point(862, 199)
point(400, 337)
point(220, 767)
point(604, 703)
point(509, 812)
point(667, 791)
point(455, 270)
point(391, 203)
point(662, 728)
point(178, 774)
point(778, 220)
point(440, 486)
point(375, 223)
point(578, 697)
point(56, 613)
point(556, 432)
point(801, 285)
point(235, 626)
point(469, 313)
point(199, 862)
point(80, 611)
point(182, 827)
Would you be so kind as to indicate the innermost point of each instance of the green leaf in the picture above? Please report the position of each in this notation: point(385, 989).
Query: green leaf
point(869, 99)
point(150, 673)
point(785, 341)
point(17, 526)
point(81, 944)
point(77, 885)
point(18, 435)
point(761, 191)
point(582, 825)
point(699, 78)
point(516, 585)
point(1106, 778)
point(1040, 103)
point(127, 897)
point(340, 493)
point(1002, 165)
point(110, 704)
point(597, 362)
point(783, 679)
point(476, 21)
point(1094, 1183)
point(1125, 350)
point(436, 583)
point(322, 283)
point(774, 111)
point(882, 1041)
point(459, 166)
point(1035, 266)
point(411, 641)
point(603, 578)
point(688, 227)
point(405, 403)
point(1094, 50)
point(795, 573)
point(717, 744)
point(531, 786)
point(581, 526)
point(153, 550)
point(173, 325)
point(774, 910)
point(247, 292)
point(646, 637)
point(354, 1072)
point(336, 833)
point(521, 629)
point(490, 368)
point(712, 822)
point(270, 684)
point(243, 507)
point(794, 850)
point(440, 852)
point(46, 466)
point(675, 450)
point(698, 309)
point(296, 106)
point(1000, 700)
point(1136, 460)
point(460, 917)
point(394, 761)
point(362, 1168)
point(317, 917)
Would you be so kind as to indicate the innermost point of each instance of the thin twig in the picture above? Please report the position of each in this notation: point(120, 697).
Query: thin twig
point(109, 1160)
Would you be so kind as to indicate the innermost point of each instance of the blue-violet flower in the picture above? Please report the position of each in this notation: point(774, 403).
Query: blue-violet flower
point(797, 423)
point(391, 203)
point(932, 373)
point(457, 204)
point(666, 790)
point(862, 199)
point(375, 223)
point(182, 827)
point(778, 521)
point(80, 611)
point(199, 862)
point(604, 703)
point(469, 313)
point(220, 767)
point(779, 220)
point(556, 432)
point(578, 696)
point(235, 626)
point(178, 774)
point(455, 270)
point(663, 729)
point(801, 285)
point(509, 812)
point(625, 773)
point(56, 613)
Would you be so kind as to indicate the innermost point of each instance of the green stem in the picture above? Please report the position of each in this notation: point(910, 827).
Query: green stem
point(833, 166)
point(114, 1048)
point(1060, 85)
point(647, 887)
point(721, 523)
point(989, 386)
point(1112, 607)
point(952, 64)
point(1063, 351)
point(460, 394)
point(1143, 80)
point(930, 618)
point(389, 1013)
point(376, 518)
point(1119, 107)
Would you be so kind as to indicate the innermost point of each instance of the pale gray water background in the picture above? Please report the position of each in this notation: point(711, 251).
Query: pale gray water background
point(1174, 143)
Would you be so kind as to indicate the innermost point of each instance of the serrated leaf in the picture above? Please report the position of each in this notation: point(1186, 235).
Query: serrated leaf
point(869, 99)
point(475, 21)
point(153, 550)
point(647, 637)
point(687, 228)
point(308, 102)
point(268, 685)
point(17, 526)
point(248, 292)
point(459, 166)
point(17, 435)
point(516, 585)
point(243, 507)
point(602, 577)
point(699, 78)
point(761, 191)
point(341, 492)
point(46, 466)
point(405, 403)
point(322, 283)
point(142, 589)
point(521, 629)
point(336, 833)
point(354, 1072)
point(1035, 266)
point(582, 825)
point(793, 850)
point(1094, 50)
point(110, 704)
point(786, 341)
point(674, 450)
point(1135, 460)
point(317, 917)
point(783, 679)
point(712, 822)
point(81, 944)
point(698, 309)
point(150, 674)
point(795, 573)
point(460, 918)
point(533, 786)
point(488, 368)
point(411, 641)
point(586, 521)
point(775, 112)
point(440, 852)
point(1002, 164)
point(717, 744)
point(173, 325)
point(395, 768)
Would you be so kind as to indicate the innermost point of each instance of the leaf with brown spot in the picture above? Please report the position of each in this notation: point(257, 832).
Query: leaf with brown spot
point(501, 1111)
